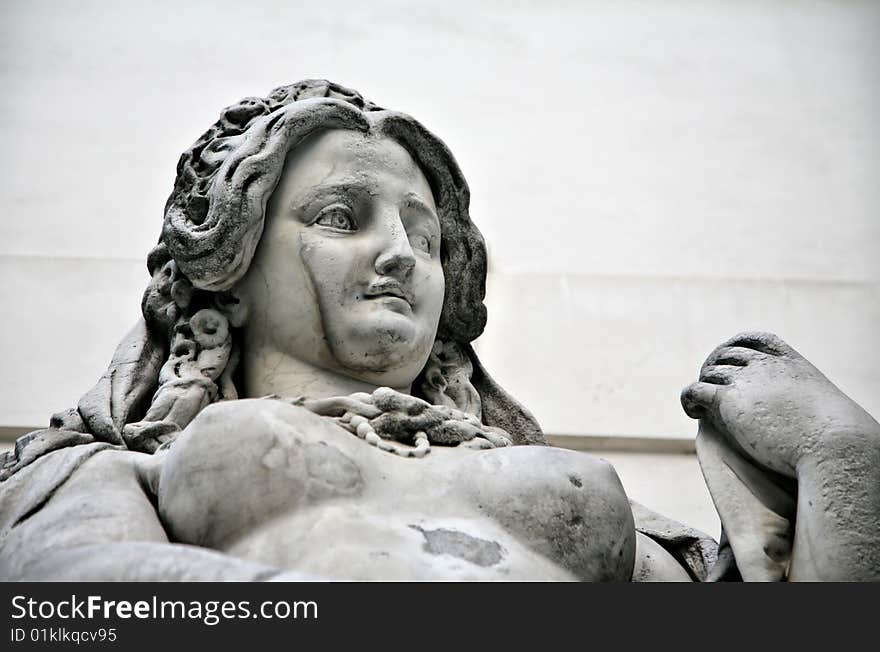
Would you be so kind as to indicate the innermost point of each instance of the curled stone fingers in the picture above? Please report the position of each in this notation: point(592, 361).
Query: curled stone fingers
point(699, 398)
point(738, 356)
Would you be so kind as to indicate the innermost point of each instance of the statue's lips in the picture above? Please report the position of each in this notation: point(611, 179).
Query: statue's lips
point(395, 304)
point(392, 290)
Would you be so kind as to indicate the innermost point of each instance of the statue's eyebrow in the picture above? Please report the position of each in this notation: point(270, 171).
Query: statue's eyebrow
point(414, 200)
point(309, 196)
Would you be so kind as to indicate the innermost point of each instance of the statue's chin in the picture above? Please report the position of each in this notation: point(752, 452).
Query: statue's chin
point(387, 349)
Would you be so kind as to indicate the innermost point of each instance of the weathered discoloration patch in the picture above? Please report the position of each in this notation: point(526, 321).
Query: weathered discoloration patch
point(576, 480)
point(331, 472)
point(458, 544)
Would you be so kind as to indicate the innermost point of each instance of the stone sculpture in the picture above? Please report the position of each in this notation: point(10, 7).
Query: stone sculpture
point(301, 400)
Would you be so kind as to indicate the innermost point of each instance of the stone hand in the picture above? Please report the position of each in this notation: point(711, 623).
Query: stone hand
point(773, 403)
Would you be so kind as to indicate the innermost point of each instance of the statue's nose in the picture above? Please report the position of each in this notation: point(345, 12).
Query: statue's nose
point(396, 257)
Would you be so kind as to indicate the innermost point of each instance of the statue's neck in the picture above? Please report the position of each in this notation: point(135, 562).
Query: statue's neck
point(268, 372)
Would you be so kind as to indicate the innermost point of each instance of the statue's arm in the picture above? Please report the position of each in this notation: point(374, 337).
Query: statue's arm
point(100, 524)
point(818, 525)
point(837, 532)
point(785, 446)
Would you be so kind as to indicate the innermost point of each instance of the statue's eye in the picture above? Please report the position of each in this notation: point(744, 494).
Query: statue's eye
point(337, 217)
point(420, 242)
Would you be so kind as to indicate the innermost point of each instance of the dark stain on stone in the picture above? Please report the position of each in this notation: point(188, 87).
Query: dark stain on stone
point(458, 544)
point(576, 481)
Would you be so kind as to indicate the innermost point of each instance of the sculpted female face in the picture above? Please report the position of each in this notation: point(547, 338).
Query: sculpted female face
point(347, 275)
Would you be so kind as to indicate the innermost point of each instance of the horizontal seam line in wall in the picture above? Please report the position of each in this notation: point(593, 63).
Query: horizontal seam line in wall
point(757, 280)
point(624, 443)
point(109, 259)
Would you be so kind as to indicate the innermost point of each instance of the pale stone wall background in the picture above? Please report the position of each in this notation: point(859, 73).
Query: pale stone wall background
point(651, 177)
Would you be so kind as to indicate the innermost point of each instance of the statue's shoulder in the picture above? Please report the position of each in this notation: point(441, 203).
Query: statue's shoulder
point(225, 414)
point(34, 445)
point(36, 468)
